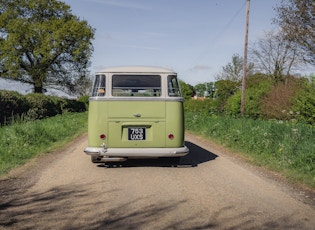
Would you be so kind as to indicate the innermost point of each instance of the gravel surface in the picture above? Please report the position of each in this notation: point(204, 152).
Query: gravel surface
point(210, 189)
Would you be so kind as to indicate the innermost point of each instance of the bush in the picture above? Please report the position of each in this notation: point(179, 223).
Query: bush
point(304, 104)
point(278, 104)
point(74, 106)
point(257, 88)
point(34, 106)
point(85, 100)
point(12, 104)
point(43, 106)
point(205, 107)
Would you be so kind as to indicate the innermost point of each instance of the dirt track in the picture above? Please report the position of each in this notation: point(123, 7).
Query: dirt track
point(210, 190)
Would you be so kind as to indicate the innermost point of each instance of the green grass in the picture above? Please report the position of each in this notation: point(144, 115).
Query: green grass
point(22, 141)
point(285, 147)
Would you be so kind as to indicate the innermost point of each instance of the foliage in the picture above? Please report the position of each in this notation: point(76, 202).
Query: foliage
point(304, 103)
point(43, 44)
point(281, 146)
point(225, 89)
point(42, 106)
point(85, 100)
point(20, 142)
point(80, 86)
point(12, 104)
point(233, 71)
point(258, 86)
point(296, 19)
point(187, 90)
point(278, 103)
point(206, 89)
point(34, 106)
point(205, 107)
point(275, 56)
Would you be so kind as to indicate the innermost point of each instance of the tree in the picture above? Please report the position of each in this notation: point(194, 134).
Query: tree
point(224, 90)
point(80, 86)
point(275, 56)
point(43, 44)
point(297, 20)
point(187, 90)
point(205, 89)
point(233, 71)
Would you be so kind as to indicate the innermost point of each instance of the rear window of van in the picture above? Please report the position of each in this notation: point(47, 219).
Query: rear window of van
point(136, 85)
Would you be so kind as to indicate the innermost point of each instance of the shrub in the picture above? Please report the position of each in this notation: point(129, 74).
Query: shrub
point(34, 106)
point(85, 100)
point(257, 88)
point(74, 106)
point(278, 104)
point(304, 104)
point(43, 106)
point(205, 107)
point(12, 104)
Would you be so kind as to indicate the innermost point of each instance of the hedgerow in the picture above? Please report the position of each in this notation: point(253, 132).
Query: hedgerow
point(14, 105)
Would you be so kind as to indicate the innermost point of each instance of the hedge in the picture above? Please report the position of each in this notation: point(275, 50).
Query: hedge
point(14, 105)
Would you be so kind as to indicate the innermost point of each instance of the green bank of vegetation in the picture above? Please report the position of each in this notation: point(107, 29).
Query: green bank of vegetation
point(22, 140)
point(285, 147)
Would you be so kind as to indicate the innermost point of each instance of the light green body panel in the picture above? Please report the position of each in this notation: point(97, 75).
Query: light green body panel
point(113, 118)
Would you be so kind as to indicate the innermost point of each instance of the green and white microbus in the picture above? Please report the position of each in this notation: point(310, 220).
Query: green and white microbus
point(135, 112)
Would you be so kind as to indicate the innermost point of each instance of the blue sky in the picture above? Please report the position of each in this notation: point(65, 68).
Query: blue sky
point(196, 38)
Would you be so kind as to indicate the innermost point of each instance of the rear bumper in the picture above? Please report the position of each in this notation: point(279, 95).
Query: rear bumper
point(137, 152)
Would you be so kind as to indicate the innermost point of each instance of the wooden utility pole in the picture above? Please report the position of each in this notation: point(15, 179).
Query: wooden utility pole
point(245, 59)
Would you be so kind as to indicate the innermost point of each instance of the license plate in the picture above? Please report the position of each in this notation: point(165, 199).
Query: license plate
point(136, 134)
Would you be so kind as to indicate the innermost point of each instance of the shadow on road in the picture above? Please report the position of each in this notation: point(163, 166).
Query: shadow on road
point(196, 156)
point(77, 207)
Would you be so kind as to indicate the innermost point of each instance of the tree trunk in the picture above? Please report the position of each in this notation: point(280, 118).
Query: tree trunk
point(38, 88)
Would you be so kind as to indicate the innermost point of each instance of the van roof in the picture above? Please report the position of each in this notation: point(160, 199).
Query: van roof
point(136, 69)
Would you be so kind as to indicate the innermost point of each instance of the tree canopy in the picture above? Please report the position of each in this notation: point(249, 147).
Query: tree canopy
point(297, 20)
point(43, 43)
point(233, 71)
point(275, 56)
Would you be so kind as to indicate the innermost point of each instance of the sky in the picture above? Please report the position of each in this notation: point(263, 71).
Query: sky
point(196, 38)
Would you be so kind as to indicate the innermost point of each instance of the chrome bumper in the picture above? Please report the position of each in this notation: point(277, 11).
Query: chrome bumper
point(137, 152)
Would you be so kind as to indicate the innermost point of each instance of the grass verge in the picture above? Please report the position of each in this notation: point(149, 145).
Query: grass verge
point(22, 141)
point(288, 148)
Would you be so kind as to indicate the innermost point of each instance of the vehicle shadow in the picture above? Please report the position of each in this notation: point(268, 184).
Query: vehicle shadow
point(197, 155)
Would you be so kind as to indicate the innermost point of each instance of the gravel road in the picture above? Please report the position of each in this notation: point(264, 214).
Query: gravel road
point(210, 189)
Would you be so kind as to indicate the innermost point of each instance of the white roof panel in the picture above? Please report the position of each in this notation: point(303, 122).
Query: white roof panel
point(136, 69)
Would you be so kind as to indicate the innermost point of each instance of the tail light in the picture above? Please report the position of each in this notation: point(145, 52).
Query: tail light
point(103, 136)
point(171, 136)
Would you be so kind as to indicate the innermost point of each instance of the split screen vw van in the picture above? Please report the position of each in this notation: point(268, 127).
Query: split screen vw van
point(135, 112)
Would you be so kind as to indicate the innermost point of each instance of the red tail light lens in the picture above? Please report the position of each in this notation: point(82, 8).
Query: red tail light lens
point(103, 136)
point(171, 136)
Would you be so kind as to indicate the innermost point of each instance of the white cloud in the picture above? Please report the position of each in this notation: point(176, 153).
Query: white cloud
point(200, 67)
point(121, 3)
